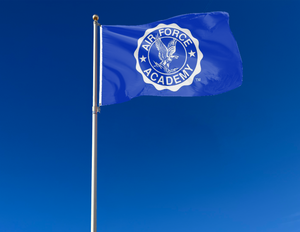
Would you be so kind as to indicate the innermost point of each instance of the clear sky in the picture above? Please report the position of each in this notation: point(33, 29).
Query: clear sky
point(224, 163)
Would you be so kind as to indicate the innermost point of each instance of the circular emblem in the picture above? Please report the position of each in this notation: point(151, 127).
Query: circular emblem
point(168, 57)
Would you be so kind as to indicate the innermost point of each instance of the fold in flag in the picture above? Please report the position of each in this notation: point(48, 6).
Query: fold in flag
point(187, 55)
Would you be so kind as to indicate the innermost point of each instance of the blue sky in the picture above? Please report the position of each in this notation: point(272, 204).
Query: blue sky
point(224, 163)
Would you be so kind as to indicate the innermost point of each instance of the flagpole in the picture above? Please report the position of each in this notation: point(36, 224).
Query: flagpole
point(94, 129)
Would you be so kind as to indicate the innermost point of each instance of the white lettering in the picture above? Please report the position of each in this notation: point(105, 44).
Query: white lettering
point(176, 79)
point(184, 76)
point(148, 71)
point(188, 68)
point(169, 30)
point(151, 77)
point(169, 80)
point(181, 36)
point(151, 37)
point(161, 80)
point(176, 33)
point(146, 47)
point(161, 31)
point(187, 42)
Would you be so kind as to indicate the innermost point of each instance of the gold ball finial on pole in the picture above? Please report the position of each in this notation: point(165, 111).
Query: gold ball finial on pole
point(95, 17)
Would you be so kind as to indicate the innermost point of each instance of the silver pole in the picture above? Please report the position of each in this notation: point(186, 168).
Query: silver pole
point(94, 130)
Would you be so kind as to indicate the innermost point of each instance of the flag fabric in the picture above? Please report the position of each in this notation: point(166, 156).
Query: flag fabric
point(187, 55)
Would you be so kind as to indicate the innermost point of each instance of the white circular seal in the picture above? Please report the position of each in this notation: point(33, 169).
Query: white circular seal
point(168, 57)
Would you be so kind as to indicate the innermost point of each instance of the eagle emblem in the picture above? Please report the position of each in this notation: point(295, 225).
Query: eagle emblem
point(165, 54)
point(168, 57)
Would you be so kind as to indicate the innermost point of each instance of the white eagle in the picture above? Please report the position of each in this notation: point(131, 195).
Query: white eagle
point(165, 54)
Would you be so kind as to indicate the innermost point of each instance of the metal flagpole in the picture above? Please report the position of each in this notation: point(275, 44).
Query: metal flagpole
point(95, 110)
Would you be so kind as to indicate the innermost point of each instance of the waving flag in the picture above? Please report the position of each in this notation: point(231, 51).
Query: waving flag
point(187, 55)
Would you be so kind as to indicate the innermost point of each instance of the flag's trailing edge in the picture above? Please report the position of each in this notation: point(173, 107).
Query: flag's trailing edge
point(187, 55)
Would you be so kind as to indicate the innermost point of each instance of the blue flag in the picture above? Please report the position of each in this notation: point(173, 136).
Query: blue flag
point(187, 55)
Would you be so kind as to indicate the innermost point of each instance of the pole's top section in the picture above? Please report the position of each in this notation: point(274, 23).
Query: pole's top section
point(96, 18)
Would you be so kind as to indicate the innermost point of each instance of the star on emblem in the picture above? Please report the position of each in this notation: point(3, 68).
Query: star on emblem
point(191, 53)
point(143, 59)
